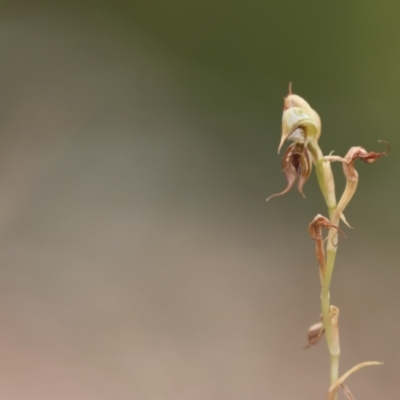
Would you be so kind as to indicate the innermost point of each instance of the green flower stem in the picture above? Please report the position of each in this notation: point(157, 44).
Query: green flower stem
point(327, 185)
point(324, 176)
point(333, 342)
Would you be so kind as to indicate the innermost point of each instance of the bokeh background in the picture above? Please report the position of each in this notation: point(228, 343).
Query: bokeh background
point(138, 257)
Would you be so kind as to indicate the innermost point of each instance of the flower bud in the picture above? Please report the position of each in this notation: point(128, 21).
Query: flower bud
point(293, 100)
point(298, 126)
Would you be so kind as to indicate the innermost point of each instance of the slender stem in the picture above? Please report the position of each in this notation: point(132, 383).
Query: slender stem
point(327, 185)
point(334, 346)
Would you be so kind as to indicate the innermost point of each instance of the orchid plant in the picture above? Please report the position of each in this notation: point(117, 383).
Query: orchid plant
point(301, 125)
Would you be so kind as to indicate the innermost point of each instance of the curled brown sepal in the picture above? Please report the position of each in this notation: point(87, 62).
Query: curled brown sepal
point(315, 231)
point(363, 155)
point(351, 174)
point(296, 162)
point(314, 333)
point(319, 222)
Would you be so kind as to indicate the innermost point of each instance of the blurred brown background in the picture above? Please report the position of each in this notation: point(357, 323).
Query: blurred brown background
point(139, 259)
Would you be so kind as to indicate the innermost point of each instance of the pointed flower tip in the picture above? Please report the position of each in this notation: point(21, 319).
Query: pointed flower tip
point(281, 144)
point(290, 89)
point(343, 218)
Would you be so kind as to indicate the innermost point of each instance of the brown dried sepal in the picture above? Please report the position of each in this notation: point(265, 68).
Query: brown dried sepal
point(351, 174)
point(296, 162)
point(363, 155)
point(314, 334)
point(315, 231)
point(316, 225)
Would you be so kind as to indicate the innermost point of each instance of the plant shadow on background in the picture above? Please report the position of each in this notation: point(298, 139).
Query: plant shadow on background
point(137, 146)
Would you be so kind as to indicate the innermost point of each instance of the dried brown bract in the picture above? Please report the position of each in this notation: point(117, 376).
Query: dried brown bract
point(314, 333)
point(316, 225)
point(315, 231)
